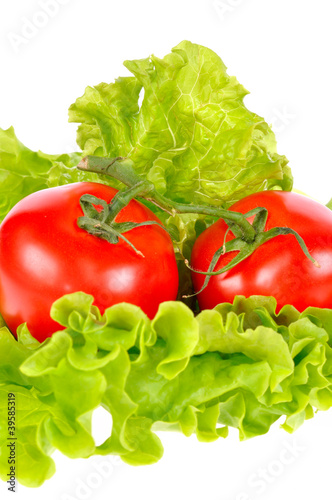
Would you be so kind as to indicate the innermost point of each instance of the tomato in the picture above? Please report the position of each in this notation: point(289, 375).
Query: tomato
point(279, 267)
point(44, 255)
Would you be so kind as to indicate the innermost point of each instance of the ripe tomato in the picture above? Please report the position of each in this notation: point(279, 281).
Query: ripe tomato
point(44, 255)
point(278, 267)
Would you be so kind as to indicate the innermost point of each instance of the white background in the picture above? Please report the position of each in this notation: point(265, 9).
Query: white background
point(280, 50)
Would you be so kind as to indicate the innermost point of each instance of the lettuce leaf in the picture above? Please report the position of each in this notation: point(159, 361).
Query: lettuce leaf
point(23, 171)
point(239, 365)
point(192, 136)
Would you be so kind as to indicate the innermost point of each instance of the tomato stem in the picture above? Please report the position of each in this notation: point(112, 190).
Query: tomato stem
point(248, 237)
point(123, 170)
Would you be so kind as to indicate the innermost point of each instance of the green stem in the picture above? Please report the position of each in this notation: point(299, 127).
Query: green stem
point(123, 197)
point(119, 168)
point(245, 250)
point(122, 170)
point(248, 237)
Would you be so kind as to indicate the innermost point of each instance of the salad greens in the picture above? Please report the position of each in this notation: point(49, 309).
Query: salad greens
point(191, 136)
point(23, 171)
point(240, 365)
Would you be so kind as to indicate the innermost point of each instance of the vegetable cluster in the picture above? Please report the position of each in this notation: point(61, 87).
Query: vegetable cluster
point(241, 365)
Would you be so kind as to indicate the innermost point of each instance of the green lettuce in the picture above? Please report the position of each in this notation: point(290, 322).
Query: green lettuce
point(192, 136)
point(239, 365)
point(23, 171)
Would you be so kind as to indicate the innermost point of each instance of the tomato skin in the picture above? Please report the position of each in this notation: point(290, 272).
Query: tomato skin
point(279, 267)
point(45, 255)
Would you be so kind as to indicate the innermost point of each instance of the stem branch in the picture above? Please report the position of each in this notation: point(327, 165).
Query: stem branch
point(122, 169)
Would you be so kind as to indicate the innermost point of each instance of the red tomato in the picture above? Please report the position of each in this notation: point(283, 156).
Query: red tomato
point(44, 255)
point(278, 267)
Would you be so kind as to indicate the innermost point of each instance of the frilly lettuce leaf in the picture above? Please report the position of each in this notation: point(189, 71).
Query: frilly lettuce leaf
point(239, 365)
point(192, 136)
point(23, 171)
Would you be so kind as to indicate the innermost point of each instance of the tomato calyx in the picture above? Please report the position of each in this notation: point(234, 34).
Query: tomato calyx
point(245, 249)
point(101, 223)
